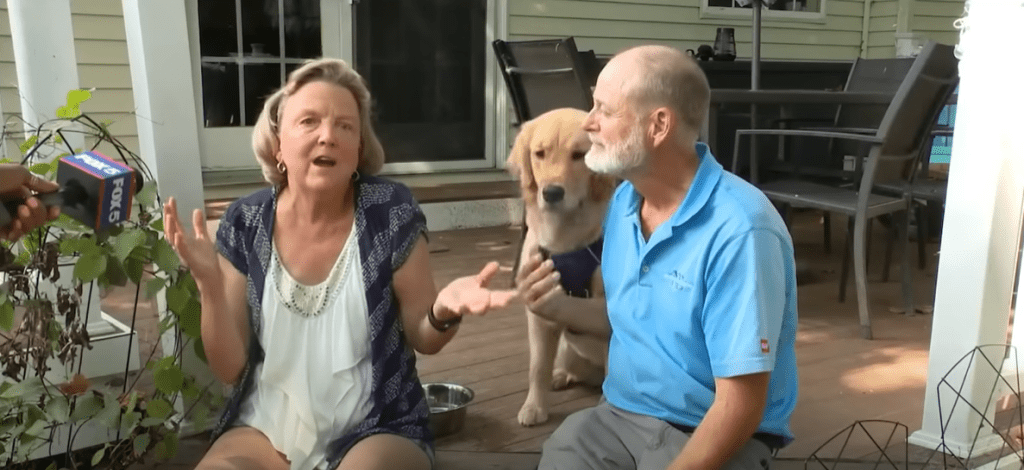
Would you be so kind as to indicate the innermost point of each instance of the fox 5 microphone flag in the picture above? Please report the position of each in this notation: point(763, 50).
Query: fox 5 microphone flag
point(107, 186)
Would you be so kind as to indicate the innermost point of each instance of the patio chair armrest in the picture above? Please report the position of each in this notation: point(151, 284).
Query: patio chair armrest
point(828, 134)
point(852, 134)
point(526, 71)
point(852, 130)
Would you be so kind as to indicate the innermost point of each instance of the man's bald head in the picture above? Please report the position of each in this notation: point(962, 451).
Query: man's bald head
point(665, 77)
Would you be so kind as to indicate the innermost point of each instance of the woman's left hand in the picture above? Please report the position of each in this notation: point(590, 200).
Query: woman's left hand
point(470, 296)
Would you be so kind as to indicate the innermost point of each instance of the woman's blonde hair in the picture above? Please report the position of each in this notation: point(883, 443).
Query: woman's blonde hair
point(265, 142)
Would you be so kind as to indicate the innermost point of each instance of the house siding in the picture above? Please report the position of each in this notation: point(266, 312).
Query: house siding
point(882, 29)
point(102, 54)
point(610, 26)
point(934, 19)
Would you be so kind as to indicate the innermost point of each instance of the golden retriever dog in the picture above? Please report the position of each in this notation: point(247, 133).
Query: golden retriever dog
point(565, 206)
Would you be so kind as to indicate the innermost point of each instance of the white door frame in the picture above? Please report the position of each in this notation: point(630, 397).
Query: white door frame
point(228, 150)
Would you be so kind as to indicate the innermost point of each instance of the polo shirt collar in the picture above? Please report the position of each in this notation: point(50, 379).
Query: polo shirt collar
point(704, 181)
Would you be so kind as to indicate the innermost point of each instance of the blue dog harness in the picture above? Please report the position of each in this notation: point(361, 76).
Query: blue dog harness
point(577, 267)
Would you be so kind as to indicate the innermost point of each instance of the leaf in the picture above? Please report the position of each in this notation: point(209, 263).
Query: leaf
point(177, 297)
point(158, 408)
point(67, 223)
point(126, 242)
point(116, 274)
point(98, 456)
point(28, 143)
point(90, 266)
point(164, 362)
point(78, 385)
point(81, 245)
point(133, 269)
point(171, 443)
point(76, 97)
point(191, 318)
point(35, 421)
point(86, 407)
point(23, 258)
point(199, 349)
point(154, 286)
point(147, 195)
point(111, 411)
point(6, 314)
point(168, 379)
point(72, 109)
point(150, 422)
point(58, 408)
point(133, 399)
point(53, 466)
point(141, 444)
point(28, 390)
point(191, 392)
point(40, 168)
point(157, 225)
point(129, 421)
point(165, 256)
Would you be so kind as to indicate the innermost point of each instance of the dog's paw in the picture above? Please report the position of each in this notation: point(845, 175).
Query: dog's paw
point(562, 379)
point(531, 415)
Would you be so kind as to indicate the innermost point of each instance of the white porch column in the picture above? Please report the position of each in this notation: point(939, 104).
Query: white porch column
point(982, 222)
point(161, 68)
point(44, 57)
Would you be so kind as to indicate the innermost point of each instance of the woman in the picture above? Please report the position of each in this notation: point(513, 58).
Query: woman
point(315, 288)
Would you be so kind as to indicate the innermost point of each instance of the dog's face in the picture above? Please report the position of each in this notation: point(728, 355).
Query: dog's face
point(548, 160)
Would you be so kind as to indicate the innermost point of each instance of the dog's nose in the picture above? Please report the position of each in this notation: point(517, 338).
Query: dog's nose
point(553, 194)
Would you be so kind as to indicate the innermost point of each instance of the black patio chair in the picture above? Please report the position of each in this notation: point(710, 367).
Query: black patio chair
point(544, 75)
point(893, 150)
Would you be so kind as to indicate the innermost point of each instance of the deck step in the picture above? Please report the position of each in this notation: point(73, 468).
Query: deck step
point(475, 191)
point(448, 206)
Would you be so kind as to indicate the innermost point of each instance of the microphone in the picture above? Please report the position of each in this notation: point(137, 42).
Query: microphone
point(95, 190)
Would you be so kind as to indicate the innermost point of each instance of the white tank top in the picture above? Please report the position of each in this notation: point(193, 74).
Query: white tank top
point(314, 383)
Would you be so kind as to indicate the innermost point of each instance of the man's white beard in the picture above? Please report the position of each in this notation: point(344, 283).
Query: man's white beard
point(619, 158)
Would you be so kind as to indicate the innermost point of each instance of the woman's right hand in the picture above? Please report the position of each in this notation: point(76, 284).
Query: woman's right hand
point(197, 252)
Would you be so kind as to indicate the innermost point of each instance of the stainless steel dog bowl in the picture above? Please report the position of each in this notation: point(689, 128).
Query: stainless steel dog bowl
point(447, 402)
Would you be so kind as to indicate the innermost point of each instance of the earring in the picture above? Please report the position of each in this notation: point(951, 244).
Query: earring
point(281, 168)
point(355, 176)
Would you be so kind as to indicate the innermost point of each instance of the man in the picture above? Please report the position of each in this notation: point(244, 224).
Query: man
point(701, 289)
point(17, 182)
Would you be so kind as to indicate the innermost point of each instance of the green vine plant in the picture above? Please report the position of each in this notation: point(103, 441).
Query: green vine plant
point(43, 322)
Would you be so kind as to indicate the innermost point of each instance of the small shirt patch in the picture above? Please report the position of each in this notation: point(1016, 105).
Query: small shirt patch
point(764, 346)
point(678, 281)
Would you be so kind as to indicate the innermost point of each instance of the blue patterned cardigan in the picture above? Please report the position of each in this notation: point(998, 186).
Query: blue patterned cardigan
point(388, 222)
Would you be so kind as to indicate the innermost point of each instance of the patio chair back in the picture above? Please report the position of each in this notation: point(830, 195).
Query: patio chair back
point(870, 75)
point(894, 147)
point(544, 75)
point(906, 127)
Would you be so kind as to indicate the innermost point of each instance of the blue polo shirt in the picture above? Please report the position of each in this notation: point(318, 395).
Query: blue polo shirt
point(712, 293)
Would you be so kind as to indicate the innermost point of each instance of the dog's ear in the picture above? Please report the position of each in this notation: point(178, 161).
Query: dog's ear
point(518, 163)
point(602, 186)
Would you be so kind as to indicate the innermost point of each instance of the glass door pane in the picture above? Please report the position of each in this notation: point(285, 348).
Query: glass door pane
point(425, 63)
point(246, 48)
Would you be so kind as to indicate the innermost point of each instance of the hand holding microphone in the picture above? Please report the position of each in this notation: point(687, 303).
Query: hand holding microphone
point(19, 184)
point(93, 189)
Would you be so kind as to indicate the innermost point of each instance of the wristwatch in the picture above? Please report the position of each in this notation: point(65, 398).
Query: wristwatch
point(439, 325)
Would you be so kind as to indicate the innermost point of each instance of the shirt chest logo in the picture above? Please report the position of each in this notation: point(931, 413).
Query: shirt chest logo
point(678, 281)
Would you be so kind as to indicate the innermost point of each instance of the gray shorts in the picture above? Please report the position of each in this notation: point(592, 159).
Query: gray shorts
point(607, 438)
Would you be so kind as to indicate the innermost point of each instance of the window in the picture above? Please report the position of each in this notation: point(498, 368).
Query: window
point(247, 48)
point(785, 9)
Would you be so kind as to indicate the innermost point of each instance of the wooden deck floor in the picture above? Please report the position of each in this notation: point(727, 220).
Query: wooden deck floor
point(843, 378)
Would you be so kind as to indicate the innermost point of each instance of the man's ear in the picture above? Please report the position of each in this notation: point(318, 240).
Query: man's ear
point(663, 121)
